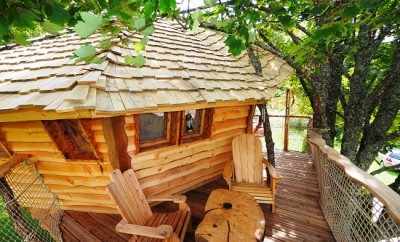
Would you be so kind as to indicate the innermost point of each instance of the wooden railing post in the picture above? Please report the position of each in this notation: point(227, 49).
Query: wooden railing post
point(286, 126)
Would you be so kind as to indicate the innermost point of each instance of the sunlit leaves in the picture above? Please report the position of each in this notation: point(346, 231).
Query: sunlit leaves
point(91, 22)
point(139, 23)
point(210, 2)
point(167, 6)
point(85, 53)
point(21, 38)
point(137, 60)
point(148, 30)
point(51, 27)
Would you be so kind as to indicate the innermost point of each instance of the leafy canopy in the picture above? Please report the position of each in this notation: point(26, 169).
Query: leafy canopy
point(22, 19)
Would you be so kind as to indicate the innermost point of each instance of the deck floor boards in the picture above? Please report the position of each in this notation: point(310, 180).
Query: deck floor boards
point(298, 215)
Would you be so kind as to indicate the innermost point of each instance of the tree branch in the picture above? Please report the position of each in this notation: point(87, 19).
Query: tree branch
point(392, 136)
point(385, 168)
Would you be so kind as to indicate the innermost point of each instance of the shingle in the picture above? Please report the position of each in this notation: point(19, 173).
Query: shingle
point(180, 67)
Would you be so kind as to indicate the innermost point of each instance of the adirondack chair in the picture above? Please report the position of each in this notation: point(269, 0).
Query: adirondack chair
point(137, 216)
point(245, 174)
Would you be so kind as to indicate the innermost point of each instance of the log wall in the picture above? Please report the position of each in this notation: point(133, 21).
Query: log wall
point(80, 184)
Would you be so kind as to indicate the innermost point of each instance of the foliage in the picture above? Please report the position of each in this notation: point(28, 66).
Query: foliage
point(22, 19)
point(346, 55)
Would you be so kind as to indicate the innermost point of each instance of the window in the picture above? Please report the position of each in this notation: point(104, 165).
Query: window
point(156, 130)
point(162, 129)
point(193, 125)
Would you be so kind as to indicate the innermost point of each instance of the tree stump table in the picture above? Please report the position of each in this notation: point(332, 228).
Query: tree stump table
point(231, 216)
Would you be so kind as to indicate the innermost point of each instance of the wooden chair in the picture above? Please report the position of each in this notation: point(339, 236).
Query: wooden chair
point(137, 216)
point(246, 175)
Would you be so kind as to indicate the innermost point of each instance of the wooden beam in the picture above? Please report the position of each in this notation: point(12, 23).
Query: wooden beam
point(250, 119)
point(28, 114)
point(121, 141)
point(286, 126)
point(71, 139)
point(4, 151)
point(112, 153)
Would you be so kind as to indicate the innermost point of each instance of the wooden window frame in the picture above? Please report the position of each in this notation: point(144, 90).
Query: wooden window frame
point(169, 138)
point(205, 127)
point(174, 133)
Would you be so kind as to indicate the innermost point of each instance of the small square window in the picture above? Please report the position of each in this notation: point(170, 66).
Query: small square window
point(156, 130)
point(152, 126)
point(195, 124)
point(192, 123)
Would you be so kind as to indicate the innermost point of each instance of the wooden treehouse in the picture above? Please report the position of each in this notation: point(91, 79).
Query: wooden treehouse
point(101, 152)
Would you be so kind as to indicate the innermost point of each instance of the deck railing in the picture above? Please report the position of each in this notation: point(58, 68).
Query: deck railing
point(356, 205)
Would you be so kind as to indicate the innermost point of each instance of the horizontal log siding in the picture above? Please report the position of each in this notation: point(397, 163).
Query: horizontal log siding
point(175, 169)
point(80, 185)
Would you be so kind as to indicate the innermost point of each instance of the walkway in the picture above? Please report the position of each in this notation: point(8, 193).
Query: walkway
point(298, 216)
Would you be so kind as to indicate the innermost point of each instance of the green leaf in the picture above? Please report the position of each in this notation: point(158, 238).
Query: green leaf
point(166, 6)
point(91, 22)
point(209, 3)
point(56, 13)
point(130, 60)
point(149, 9)
point(26, 18)
point(236, 45)
point(21, 38)
point(351, 11)
point(139, 60)
point(195, 20)
point(139, 23)
point(148, 31)
point(52, 27)
point(105, 44)
point(285, 20)
point(85, 52)
point(139, 46)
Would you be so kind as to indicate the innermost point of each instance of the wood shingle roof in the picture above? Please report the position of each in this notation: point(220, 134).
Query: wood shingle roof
point(181, 67)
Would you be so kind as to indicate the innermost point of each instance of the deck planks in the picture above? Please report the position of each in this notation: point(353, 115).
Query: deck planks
point(298, 215)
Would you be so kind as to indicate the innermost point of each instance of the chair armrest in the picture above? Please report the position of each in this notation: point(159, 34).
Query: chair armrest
point(173, 198)
point(228, 173)
point(272, 171)
point(160, 232)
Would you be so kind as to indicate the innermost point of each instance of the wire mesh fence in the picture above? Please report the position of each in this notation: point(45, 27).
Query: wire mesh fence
point(28, 210)
point(350, 208)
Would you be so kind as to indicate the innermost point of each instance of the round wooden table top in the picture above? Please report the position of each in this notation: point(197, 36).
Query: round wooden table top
point(231, 216)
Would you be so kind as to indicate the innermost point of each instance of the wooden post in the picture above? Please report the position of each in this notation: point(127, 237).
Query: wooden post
point(286, 125)
point(117, 142)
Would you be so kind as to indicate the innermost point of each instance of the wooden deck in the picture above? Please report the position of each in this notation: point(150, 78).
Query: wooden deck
point(298, 216)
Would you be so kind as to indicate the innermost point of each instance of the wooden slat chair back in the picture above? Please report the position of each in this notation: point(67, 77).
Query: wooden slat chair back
point(138, 218)
point(129, 197)
point(246, 175)
point(247, 158)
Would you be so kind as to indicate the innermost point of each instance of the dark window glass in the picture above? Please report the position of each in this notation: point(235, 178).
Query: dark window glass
point(152, 126)
point(192, 122)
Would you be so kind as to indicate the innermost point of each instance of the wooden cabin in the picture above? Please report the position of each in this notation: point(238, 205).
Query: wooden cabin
point(171, 120)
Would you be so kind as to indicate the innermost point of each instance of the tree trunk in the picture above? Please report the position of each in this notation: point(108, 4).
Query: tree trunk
point(13, 209)
point(269, 143)
point(396, 185)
